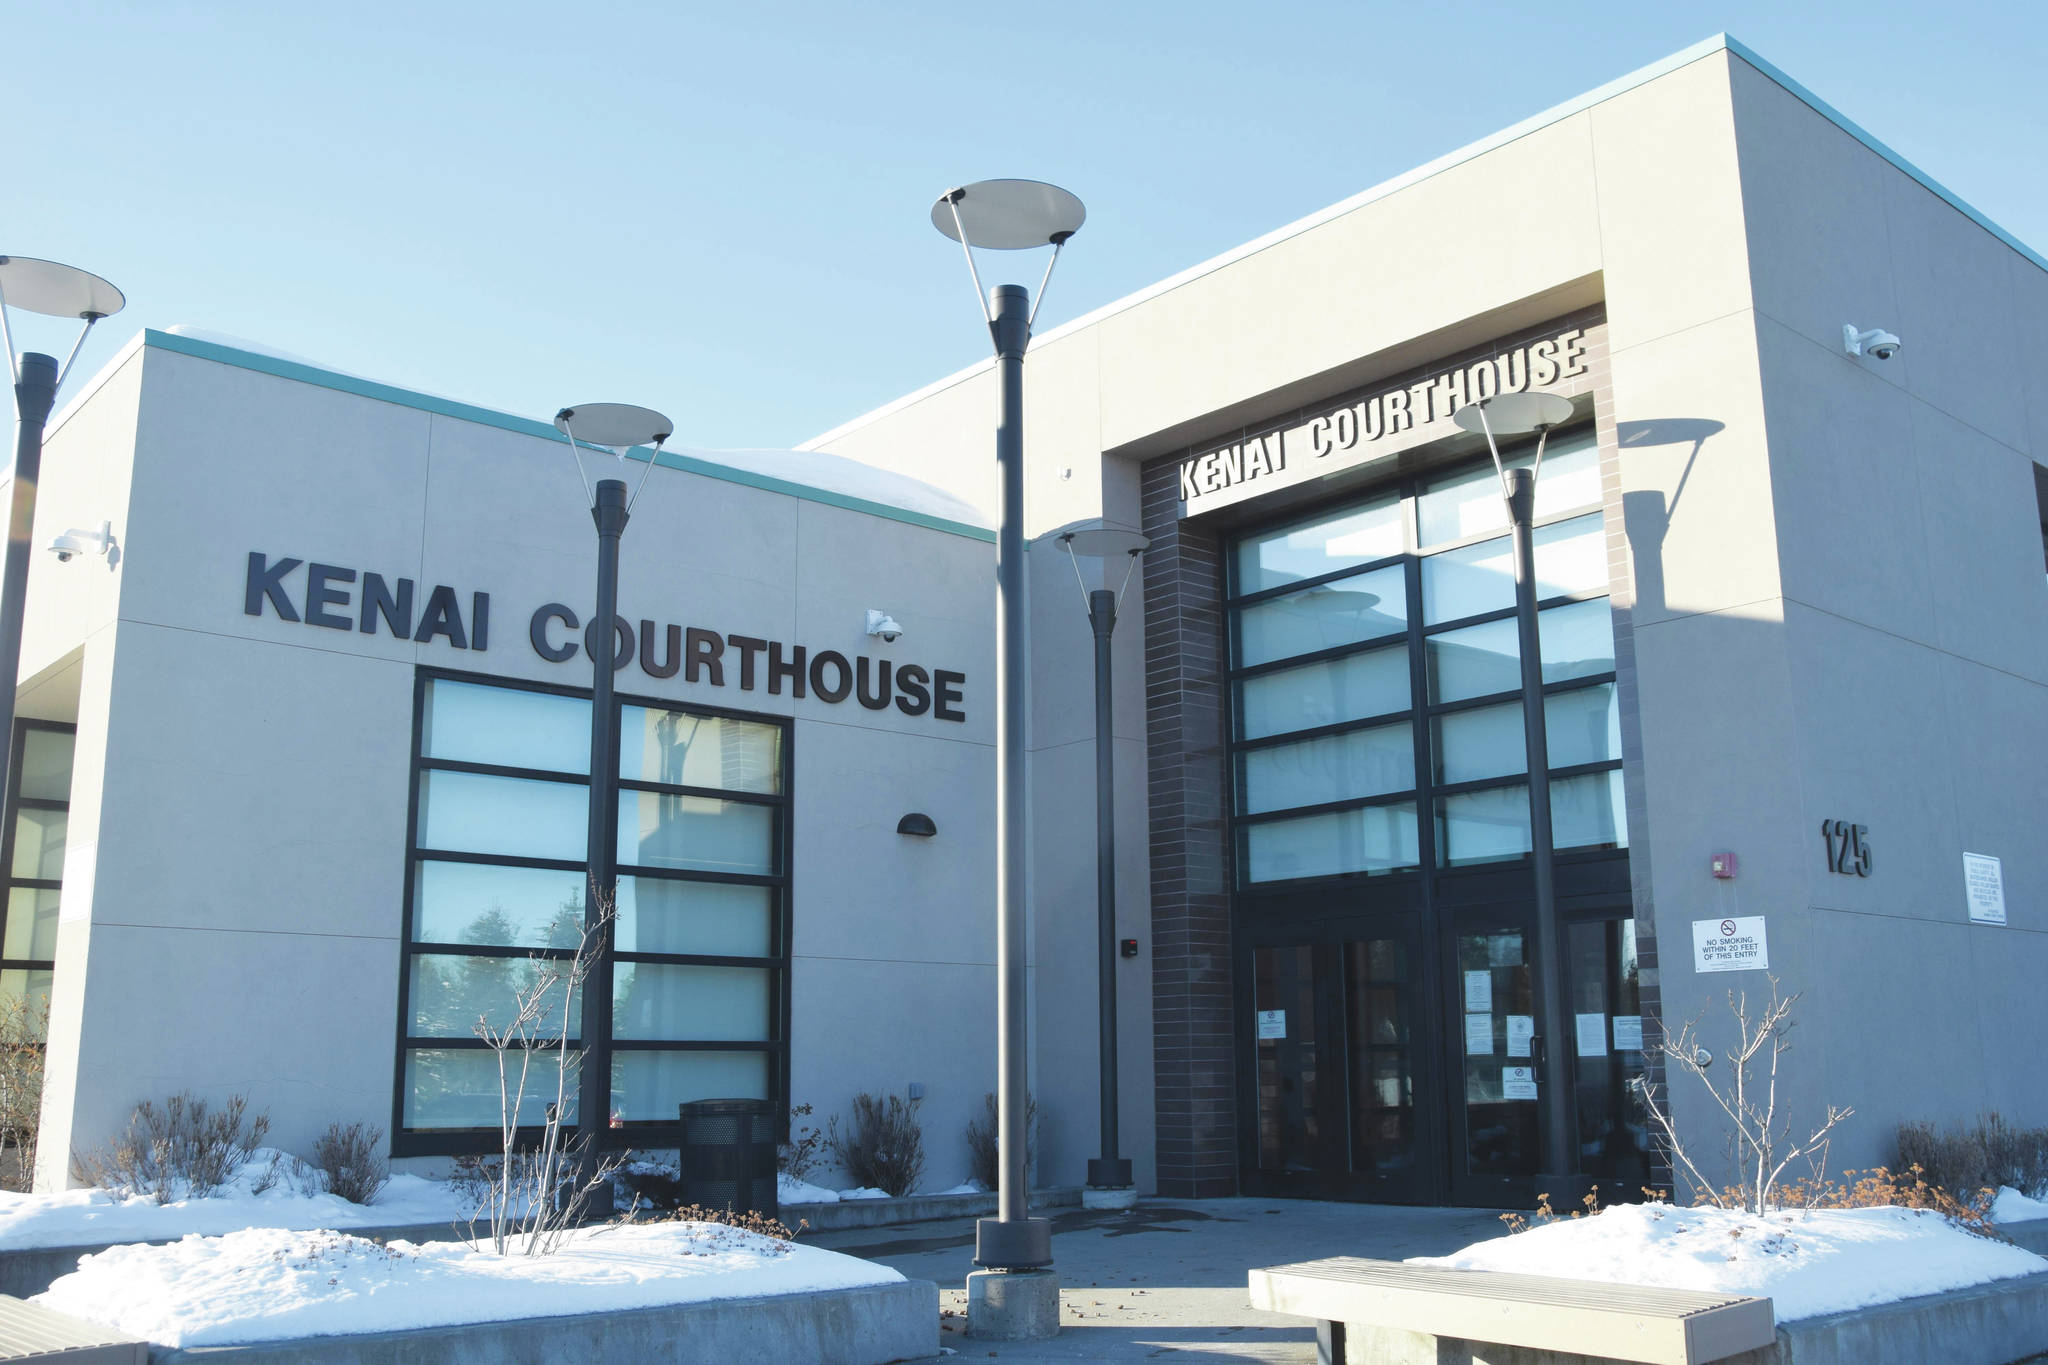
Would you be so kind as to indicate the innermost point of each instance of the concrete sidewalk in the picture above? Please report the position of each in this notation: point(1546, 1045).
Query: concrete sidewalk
point(1167, 1279)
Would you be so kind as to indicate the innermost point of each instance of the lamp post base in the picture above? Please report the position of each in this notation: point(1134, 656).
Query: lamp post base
point(1013, 1305)
point(1109, 1197)
point(1018, 1244)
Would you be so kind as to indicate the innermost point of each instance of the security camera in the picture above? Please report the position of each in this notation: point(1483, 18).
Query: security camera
point(883, 624)
point(1876, 341)
point(77, 542)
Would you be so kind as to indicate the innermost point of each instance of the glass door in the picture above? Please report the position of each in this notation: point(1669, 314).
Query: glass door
point(1292, 1130)
point(1607, 1018)
point(1494, 1121)
point(1395, 1141)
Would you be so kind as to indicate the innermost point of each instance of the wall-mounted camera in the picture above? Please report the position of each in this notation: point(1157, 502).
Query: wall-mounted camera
point(77, 542)
point(883, 624)
point(1874, 341)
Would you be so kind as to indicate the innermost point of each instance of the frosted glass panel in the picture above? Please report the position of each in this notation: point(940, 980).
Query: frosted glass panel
point(647, 1086)
point(1469, 581)
point(447, 1088)
point(507, 907)
point(1373, 683)
point(507, 726)
point(1371, 762)
point(1313, 548)
point(39, 843)
point(1582, 726)
point(1348, 611)
point(524, 817)
point(32, 923)
point(1577, 640)
point(32, 985)
point(1481, 743)
point(653, 1002)
point(1483, 826)
point(1372, 839)
point(1474, 661)
point(46, 764)
point(715, 919)
point(697, 833)
point(447, 994)
point(1588, 812)
point(687, 750)
point(1469, 502)
point(1571, 557)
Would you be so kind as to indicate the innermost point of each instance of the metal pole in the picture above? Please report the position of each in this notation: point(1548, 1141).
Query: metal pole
point(594, 1081)
point(1108, 1171)
point(35, 393)
point(1555, 1164)
point(1012, 1240)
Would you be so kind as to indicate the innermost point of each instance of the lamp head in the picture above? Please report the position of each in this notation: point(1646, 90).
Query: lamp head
point(1514, 414)
point(1103, 541)
point(616, 426)
point(58, 291)
point(1008, 215)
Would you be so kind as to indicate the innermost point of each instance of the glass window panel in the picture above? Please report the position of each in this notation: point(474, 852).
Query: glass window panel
point(46, 764)
point(1589, 812)
point(1468, 581)
point(1481, 743)
point(1284, 985)
point(1370, 762)
point(688, 750)
point(523, 817)
point(695, 833)
point(32, 985)
point(31, 923)
point(1475, 661)
point(1582, 726)
point(1348, 611)
point(661, 1002)
point(1570, 476)
point(1571, 557)
point(1469, 502)
point(1577, 639)
point(509, 907)
point(1310, 549)
point(1483, 826)
point(451, 1088)
point(1372, 839)
point(647, 1086)
point(449, 992)
point(657, 915)
point(1374, 683)
point(511, 726)
point(39, 844)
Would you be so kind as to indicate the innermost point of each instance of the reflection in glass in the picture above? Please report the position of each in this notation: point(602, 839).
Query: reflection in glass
point(1371, 683)
point(448, 993)
point(1370, 762)
point(714, 919)
point(39, 843)
point(1283, 994)
point(647, 1086)
point(1370, 839)
point(687, 750)
point(1589, 812)
point(663, 1002)
point(1481, 743)
point(1323, 545)
point(523, 817)
point(1347, 611)
point(1500, 1121)
point(1382, 1076)
point(697, 833)
point(1571, 558)
point(1582, 726)
point(1600, 966)
point(1468, 581)
point(33, 986)
point(1483, 826)
point(1577, 639)
point(509, 907)
point(450, 1088)
point(507, 726)
point(1474, 661)
point(1469, 503)
point(32, 923)
point(46, 764)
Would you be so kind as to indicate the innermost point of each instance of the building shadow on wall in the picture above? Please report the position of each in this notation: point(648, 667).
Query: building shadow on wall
point(1646, 515)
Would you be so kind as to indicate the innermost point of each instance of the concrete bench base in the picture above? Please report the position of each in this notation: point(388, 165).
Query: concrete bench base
point(868, 1326)
point(1991, 1324)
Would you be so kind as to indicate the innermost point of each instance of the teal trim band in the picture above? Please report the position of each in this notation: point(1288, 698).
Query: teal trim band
point(525, 426)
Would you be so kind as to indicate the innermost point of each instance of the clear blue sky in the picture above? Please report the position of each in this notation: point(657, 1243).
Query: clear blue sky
point(719, 209)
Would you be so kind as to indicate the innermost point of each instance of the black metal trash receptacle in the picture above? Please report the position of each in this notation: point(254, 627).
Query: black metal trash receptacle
point(728, 1155)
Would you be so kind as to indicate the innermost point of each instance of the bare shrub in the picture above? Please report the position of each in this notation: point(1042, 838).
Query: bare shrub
point(1988, 1153)
point(352, 1159)
point(883, 1148)
point(24, 1022)
point(800, 1156)
point(984, 1142)
point(184, 1150)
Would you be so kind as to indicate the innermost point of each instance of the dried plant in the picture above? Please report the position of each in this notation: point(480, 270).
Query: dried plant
point(1544, 1214)
point(800, 1156)
point(1988, 1153)
point(984, 1154)
point(883, 1148)
point(24, 1023)
point(755, 1224)
point(184, 1150)
point(351, 1157)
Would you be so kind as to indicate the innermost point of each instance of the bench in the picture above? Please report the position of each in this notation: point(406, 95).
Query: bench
point(1535, 1312)
point(31, 1332)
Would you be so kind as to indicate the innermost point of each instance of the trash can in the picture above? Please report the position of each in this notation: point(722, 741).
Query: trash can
point(728, 1155)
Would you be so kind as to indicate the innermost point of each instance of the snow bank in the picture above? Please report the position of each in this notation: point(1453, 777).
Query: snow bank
point(264, 1284)
point(790, 1190)
point(1808, 1262)
point(864, 1192)
point(2013, 1207)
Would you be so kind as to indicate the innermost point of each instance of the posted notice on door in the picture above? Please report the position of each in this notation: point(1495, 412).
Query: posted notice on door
point(1730, 945)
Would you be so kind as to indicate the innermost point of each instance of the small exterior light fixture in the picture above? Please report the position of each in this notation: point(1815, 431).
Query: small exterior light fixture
point(916, 824)
point(1726, 865)
point(1874, 341)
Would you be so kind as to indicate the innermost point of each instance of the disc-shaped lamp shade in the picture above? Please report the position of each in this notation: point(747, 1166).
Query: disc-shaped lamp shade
point(1009, 215)
point(60, 291)
point(1104, 542)
point(619, 426)
point(917, 824)
point(1515, 414)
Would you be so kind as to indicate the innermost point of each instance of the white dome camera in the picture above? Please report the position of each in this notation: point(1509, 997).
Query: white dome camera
point(883, 624)
point(76, 542)
point(1875, 341)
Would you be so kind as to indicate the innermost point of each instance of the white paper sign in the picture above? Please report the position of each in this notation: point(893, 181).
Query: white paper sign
point(1592, 1035)
point(1479, 992)
point(1518, 1082)
point(1479, 1035)
point(1730, 945)
point(1521, 1028)
point(1628, 1033)
point(1984, 884)
point(1272, 1024)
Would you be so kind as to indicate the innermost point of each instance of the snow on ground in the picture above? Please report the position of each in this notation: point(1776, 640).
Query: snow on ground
point(263, 1284)
point(93, 1217)
point(2013, 1207)
point(966, 1187)
point(864, 1192)
point(1808, 1262)
point(790, 1190)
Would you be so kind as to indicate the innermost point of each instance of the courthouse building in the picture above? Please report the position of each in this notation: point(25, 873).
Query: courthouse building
point(304, 763)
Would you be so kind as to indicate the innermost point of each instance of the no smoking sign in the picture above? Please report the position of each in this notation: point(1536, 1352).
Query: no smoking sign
point(1730, 945)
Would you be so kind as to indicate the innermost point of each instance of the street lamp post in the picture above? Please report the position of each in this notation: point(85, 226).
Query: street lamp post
point(1109, 1175)
point(1519, 414)
point(58, 291)
point(1015, 1296)
point(617, 427)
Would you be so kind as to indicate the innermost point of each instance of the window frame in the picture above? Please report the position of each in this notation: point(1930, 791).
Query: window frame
point(15, 803)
